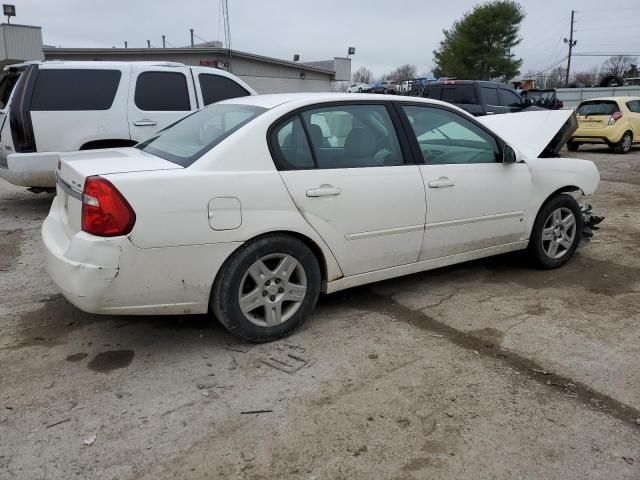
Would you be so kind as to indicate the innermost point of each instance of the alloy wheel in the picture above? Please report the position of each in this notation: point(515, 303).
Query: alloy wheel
point(559, 233)
point(272, 290)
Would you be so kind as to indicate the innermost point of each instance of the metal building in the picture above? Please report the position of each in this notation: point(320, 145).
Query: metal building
point(264, 74)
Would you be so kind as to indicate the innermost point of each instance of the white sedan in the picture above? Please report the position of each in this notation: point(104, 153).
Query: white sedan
point(358, 87)
point(251, 207)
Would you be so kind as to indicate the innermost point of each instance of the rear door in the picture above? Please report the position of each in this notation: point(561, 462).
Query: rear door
point(492, 100)
point(344, 166)
point(463, 95)
point(158, 96)
point(634, 118)
point(474, 201)
point(212, 87)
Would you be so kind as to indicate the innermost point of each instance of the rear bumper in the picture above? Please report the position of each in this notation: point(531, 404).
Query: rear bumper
point(31, 169)
point(113, 276)
point(609, 135)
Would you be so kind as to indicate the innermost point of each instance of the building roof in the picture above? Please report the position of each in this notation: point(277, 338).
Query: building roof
point(182, 50)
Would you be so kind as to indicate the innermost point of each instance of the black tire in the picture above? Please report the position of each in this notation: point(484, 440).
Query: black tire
point(624, 145)
point(538, 247)
point(360, 90)
point(572, 146)
point(225, 298)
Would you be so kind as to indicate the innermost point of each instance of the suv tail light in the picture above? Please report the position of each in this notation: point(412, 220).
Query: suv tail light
point(615, 117)
point(105, 212)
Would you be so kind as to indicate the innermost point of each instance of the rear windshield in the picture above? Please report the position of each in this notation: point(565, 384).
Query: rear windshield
point(463, 94)
point(597, 108)
point(188, 139)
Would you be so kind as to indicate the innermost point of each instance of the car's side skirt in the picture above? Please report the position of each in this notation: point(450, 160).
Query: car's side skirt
point(387, 273)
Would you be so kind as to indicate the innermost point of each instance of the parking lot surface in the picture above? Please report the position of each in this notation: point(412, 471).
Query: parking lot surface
point(485, 370)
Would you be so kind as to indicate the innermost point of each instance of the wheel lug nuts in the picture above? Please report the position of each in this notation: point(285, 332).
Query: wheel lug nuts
point(277, 280)
point(272, 298)
point(267, 283)
point(264, 293)
point(280, 290)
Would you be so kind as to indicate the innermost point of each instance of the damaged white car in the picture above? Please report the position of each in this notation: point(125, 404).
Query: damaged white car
point(251, 207)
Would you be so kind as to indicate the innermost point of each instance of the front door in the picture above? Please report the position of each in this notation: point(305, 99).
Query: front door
point(158, 96)
point(345, 170)
point(474, 201)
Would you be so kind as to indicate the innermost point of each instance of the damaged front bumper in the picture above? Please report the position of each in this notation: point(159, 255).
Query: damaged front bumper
point(590, 223)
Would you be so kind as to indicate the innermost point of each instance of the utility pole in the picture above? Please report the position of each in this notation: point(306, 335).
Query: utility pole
point(191, 30)
point(164, 42)
point(572, 43)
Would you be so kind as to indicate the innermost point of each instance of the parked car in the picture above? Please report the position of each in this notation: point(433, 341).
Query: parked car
point(613, 121)
point(477, 97)
point(61, 106)
point(384, 86)
point(544, 98)
point(359, 88)
point(284, 196)
point(417, 85)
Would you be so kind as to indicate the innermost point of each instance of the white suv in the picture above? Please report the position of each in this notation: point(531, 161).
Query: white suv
point(59, 106)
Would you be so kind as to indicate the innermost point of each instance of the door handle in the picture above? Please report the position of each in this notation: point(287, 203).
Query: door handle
point(491, 113)
point(441, 182)
point(323, 191)
point(145, 123)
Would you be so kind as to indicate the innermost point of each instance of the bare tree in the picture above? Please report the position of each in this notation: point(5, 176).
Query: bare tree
point(555, 78)
point(588, 77)
point(618, 65)
point(404, 72)
point(362, 75)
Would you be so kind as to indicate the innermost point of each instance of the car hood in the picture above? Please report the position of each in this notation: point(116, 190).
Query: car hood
point(535, 134)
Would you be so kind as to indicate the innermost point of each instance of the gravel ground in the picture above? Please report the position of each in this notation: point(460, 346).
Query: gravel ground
point(486, 370)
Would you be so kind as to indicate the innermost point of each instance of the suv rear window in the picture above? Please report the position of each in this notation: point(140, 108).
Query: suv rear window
point(74, 89)
point(162, 92)
point(597, 108)
point(216, 87)
point(463, 94)
point(191, 137)
point(434, 92)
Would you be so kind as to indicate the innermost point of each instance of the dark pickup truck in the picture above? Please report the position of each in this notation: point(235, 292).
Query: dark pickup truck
point(478, 97)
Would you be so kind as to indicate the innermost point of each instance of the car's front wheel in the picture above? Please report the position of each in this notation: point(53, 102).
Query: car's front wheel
point(556, 232)
point(267, 288)
point(624, 145)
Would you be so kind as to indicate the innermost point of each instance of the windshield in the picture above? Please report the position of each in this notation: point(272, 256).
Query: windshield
point(597, 108)
point(188, 139)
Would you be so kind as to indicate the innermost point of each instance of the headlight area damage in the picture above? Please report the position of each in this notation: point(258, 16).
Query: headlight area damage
point(590, 223)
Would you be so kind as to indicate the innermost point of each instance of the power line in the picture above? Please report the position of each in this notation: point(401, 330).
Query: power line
point(548, 68)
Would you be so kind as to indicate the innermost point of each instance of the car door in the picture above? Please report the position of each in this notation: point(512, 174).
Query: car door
point(511, 101)
point(474, 201)
point(344, 167)
point(492, 101)
point(634, 118)
point(158, 96)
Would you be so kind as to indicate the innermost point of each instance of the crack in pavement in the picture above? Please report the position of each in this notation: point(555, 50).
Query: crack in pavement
point(581, 392)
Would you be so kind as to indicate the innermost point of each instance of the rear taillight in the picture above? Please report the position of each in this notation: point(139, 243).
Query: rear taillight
point(105, 212)
point(615, 117)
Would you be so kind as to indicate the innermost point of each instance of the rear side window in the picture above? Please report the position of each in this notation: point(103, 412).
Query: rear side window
point(292, 146)
point(162, 91)
point(188, 139)
point(490, 96)
point(634, 106)
point(215, 88)
point(597, 108)
point(463, 94)
point(509, 98)
point(74, 89)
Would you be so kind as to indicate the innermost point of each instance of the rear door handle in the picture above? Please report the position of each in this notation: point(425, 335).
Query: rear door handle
point(441, 182)
point(323, 191)
point(145, 123)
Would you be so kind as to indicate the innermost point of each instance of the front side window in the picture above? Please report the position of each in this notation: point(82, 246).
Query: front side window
point(446, 138)
point(162, 92)
point(216, 88)
point(188, 139)
point(509, 98)
point(74, 89)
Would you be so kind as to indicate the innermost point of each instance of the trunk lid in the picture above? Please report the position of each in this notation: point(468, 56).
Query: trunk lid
point(535, 134)
point(74, 167)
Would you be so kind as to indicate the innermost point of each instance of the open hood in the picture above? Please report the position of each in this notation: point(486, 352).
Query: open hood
point(540, 133)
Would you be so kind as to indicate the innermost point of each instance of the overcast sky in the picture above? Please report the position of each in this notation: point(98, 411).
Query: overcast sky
point(385, 33)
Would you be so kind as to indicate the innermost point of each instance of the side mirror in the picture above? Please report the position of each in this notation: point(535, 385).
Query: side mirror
point(509, 155)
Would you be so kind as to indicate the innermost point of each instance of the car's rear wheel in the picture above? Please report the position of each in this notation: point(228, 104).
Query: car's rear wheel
point(267, 288)
point(360, 90)
point(556, 232)
point(624, 145)
point(572, 146)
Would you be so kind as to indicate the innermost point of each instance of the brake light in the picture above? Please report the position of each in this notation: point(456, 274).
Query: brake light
point(615, 117)
point(105, 212)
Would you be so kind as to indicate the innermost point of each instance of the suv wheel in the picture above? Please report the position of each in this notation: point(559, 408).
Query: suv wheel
point(556, 232)
point(572, 146)
point(267, 288)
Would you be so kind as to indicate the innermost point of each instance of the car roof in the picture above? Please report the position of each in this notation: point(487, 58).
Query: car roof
point(273, 100)
point(609, 99)
point(94, 63)
point(450, 83)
